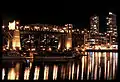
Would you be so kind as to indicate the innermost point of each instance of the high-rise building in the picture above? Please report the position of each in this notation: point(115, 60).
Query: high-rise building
point(111, 28)
point(94, 28)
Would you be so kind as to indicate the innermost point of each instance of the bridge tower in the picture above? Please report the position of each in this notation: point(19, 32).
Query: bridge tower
point(68, 39)
point(15, 33)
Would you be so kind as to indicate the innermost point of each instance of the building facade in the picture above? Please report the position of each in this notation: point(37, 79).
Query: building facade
point(94, 29)
point(111, 29)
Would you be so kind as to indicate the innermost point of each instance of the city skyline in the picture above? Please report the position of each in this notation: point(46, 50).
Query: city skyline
point(78, 24)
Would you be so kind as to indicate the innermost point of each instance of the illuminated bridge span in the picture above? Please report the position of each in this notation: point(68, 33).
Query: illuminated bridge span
point(33, 28)
point(45, 28)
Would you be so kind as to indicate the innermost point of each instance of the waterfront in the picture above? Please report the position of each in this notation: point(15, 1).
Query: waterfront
point(94, 66)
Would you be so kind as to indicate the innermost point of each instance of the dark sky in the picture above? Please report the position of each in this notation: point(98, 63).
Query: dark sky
point(75, 14)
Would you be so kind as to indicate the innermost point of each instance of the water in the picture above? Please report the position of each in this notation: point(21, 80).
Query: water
point(95, 66)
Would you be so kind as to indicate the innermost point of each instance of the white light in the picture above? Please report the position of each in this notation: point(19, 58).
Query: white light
point(94, 25)
point(53, 36)
point(77, 29)
point(43, 49)
point(107, 23)
point(66, 24)
point(64, 28)
point(110, 13)
point(33, 49)
point(50, 49)
point(11, 25)
point(62, 31)
point(72, 30)
point(82, 31)
point(95, 17)
point(28, 41)
point(42, 40)
point(3, 26)
point(3, 74)
point(55, 41)
point(45, 28)
point(27, 27)
point(55, 29)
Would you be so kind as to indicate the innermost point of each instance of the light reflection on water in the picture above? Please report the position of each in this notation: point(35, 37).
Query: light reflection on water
point(99, 65)
point(36, 73)
point(3, 74)
point(26, 73)
point(46, 71)
point(11, 74)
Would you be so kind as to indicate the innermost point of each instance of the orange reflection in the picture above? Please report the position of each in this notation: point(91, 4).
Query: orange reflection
point(26, 73)
point(73, 71)
point(46, 71)
point(108, 71)
point(69, 71)
point(11, 74)
point(77, 71)
point(92, 71)
point(105, 58)
point(36, 73)
point(82, 68)
point(55, 70)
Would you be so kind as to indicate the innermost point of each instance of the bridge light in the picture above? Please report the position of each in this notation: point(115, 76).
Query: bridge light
point(17, 22)
point(3, 26)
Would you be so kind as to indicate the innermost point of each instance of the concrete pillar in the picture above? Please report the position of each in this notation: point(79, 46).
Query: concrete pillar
point(16, 40)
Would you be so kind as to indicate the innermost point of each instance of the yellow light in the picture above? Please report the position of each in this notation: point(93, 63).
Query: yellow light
point(55, 70)
point(50, 49)
point(17, 22)
point(64, 28)
point(11, 74)
point(46, 72)
point(68, 44)
point(83, 49)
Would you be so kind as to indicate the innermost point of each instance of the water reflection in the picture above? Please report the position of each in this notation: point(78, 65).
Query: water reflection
point(97, 65)
point(26, 73)
point(36, 73)
point(46, 72)
point(11, 74)
point(3, 74)
point(55, 70)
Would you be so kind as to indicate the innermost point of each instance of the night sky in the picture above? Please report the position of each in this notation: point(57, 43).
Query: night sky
point(77, 15)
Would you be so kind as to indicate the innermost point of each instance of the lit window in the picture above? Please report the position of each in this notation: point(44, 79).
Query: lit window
point(82, 31)
point(94, 25)
point(33, 49)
